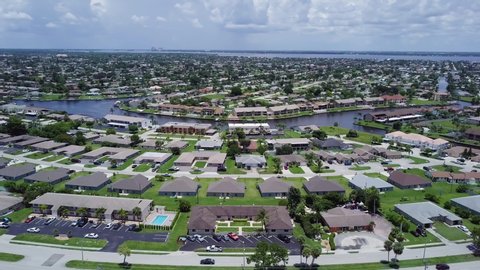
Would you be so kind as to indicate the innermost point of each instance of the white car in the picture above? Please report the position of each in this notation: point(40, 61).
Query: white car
point(463, 228)
point(91, 235)
point(74, 223)
point(214, 248)
point(109, 225)
point(33, 230)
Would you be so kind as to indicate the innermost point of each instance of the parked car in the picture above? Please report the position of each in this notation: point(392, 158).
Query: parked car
point(74, 223)
point(426, 168)
point(226, 237)
point(191, 238)
point(442, 266)
point(132, 227)
point(182, 238)
point(75, 160)
point(82, 222)
point(33, 230)
point(116, 226)
point(134, 166)
point(29, 219)
point(50, 220)
point(4, 225)
point(6, 220)
point(109, 225)
point(207, 261)
point(463, 228)
point(233, 236)
point(96, 224)
point(174, 169)
point(217, 237)
point(214, 248)
point(91, 235)
point(284, 238)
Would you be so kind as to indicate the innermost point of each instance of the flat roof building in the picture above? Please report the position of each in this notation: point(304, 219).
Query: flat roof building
point(209, 144)
point(118, 154)
point(426, 213)
point(321, 186)
point(47, 146)
point(180, 186)
point(17, 171)
point(70, 150)
point(226, 187)
point(153, 157)
point(137, 184)
point(185, 128)
point(112, 140)
point(340, 219)
point(213, 159)
point(470, 203)
point(52, 177)
point(361, 181)
point(94, 181)
point(123, 121)
point(10, 203)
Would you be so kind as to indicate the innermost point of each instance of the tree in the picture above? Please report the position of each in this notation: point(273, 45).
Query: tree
point(124, 251)
point(476, 237)
point(316, 252)
point(244, 143)
point(278, 254)
point(82, 211)
point(288, 89)
point(397, 249)
point(236, 91)
point(133, 128)
point(352, 133)
point(261, 149)
point(137, 212)
point(99, 213)
point(294, 197)
point(306, 252)
point(388, 245)
point(285, 149)
point(122, 214)
point(135, 139)
point(261, 257)
point(372, 199)
point(110, 131)
point(276, 165)
point(397, 125)
point(80, 138)
point(15, 126)
point(233, 149)
point(36, 189)
point(319, 134)
point(43, 209)
point(63, 211)
point(184, 205)
point(159, 144)
point(263, 218)
point(175, 151)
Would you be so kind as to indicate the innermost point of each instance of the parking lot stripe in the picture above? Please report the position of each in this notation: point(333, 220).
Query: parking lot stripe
point(247, 238)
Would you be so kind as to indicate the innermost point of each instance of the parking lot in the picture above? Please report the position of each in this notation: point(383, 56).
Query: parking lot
point(114, 237)
point(248, 241)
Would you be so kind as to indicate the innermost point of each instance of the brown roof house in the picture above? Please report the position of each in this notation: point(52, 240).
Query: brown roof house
point(403, 180)
point(52, 177)
point(137, 184)
point(15, 172)
point(227, 187)
point(94, 181)
point(274, 187)
point(320, 186)
point(203, 218)
point(180, 186)
point(343, 219)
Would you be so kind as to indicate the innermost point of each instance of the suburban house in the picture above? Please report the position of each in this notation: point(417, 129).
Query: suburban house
point(73, 202)
point(403, 180)
point(176, 144)
point(3, 162)
point(52, 177)
point(291, 160)
point(17, 171)
point(417, 140)
point(297, 144)
point(113, 140)
point(115, 153)
point(341, 219)
point(208, 144)
point(28, 142)
point(203, 218)
point(153, 157)
point(470, 203)
point(47, 146)
point(180, 186)
point(320, 186)
point(69, 150)
point(473, 133)
point(185, 128)
point(458, 177)
point(274, 187)
point(250, 161)
point(123, 121)
point(361, 181)
point(10, 203)
point(250, 128)
point(136, 184)
point(226, 187)
point(426, 213)
point(330, 143)
point(212, 158)
point(94, 181)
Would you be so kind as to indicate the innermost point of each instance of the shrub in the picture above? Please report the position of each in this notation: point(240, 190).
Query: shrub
point(462, 188)
point(462, 212)
point(184, 205)
point(307, 227)
point(447, 205)
point(331, 241)
point(283, 202)
point(432, 197)
point(475, 219)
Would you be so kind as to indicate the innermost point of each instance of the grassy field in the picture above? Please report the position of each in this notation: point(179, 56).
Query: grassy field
point(49, 239)
point(9, 257)
point(417, 160)
point(232, 167)
point(38, 155)
point(372, 124)
point(377, 175)
point(167, 165)
point(446, 168)
point(142, 167)
point(360, 168)
point(124, 165)
point(292, 134)
point(269, 169)
point(420, 102)
point(363, 137)
point(451, 233)
point(200, 164)
point(296, 170)
point(20, 215)
point(54, 158)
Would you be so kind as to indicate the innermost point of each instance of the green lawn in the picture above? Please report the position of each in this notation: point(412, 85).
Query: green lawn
point(142, 167)
point(269, 169)
point(124, 165)
point(49, 239)
point(416, 101)
point(417, 160)
point(296, 170)
point(9, 257)
point(373, 124)
point(360, 168)
point(54, 158)
point(377, 175)
point(232, 167)
point(451, 233)
point(342, 181)
point(38, 155)
point(20, 215)
point(200, 164)
point(3, 231)
point(363, 137)
point(288, 133)
point(446, 168)
point(167, 165)
point(214, 96)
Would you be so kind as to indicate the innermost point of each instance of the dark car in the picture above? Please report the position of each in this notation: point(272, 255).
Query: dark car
point(207, 261)
point(71, 171)
point(217, 237)
point(132, 227)
point(6, 220)
point(426, 168)
point(191, 238)
point(284, 238)
point(75, 160)
point(116, 226)
point(442, 266)
point(82, 222)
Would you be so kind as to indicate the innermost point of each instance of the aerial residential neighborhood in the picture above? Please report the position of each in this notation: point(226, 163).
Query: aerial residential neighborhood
point(239, 134)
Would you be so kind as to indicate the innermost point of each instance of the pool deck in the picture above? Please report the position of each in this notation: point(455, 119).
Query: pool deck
point(168, 222)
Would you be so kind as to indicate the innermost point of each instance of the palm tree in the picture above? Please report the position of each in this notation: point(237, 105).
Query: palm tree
point(99, 213)
point(263, 218)
point(122, 214)
point(306, 252)
point(397, 249)
point(43, 209)
point(63, 211)
point(82, 211)
point(124, 251)
point(316, 252)
point(388, 245)
point(301, 240)
point(137, 212)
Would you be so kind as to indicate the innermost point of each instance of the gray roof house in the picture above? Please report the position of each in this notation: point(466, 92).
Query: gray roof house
point(287, 160)
point(93, 181)
point(343, 219)
point(320, 186)
point(70, 150)
point(72, 202)
point(470, 203)
point(176, 144)
point(361, 181)
point(274, 187)
point(137, 184)
point(180, 186)
point(52, 177)
point(227, 187)
point(330, 143)
point(250, 161)
point(47, 146)
point(209, 144)
point(15, 172)
point(426, 213)
point(9, 203)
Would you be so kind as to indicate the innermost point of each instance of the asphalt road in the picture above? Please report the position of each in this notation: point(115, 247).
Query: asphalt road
point(114, 237)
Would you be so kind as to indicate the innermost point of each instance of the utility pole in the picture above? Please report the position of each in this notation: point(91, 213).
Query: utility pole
point(243, 264)
point(424, 251)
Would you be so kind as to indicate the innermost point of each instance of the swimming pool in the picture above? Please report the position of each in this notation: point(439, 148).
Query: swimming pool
point(159, 220)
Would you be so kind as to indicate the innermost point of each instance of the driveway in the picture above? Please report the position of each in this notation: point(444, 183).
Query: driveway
point(114, 237)
point(358, 240)
point(248, 241)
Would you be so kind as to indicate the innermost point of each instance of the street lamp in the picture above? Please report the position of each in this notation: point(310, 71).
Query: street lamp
point(424, 251)
point(243, 264)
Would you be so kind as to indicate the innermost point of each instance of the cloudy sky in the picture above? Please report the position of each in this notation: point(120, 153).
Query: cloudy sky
point(402, 25)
